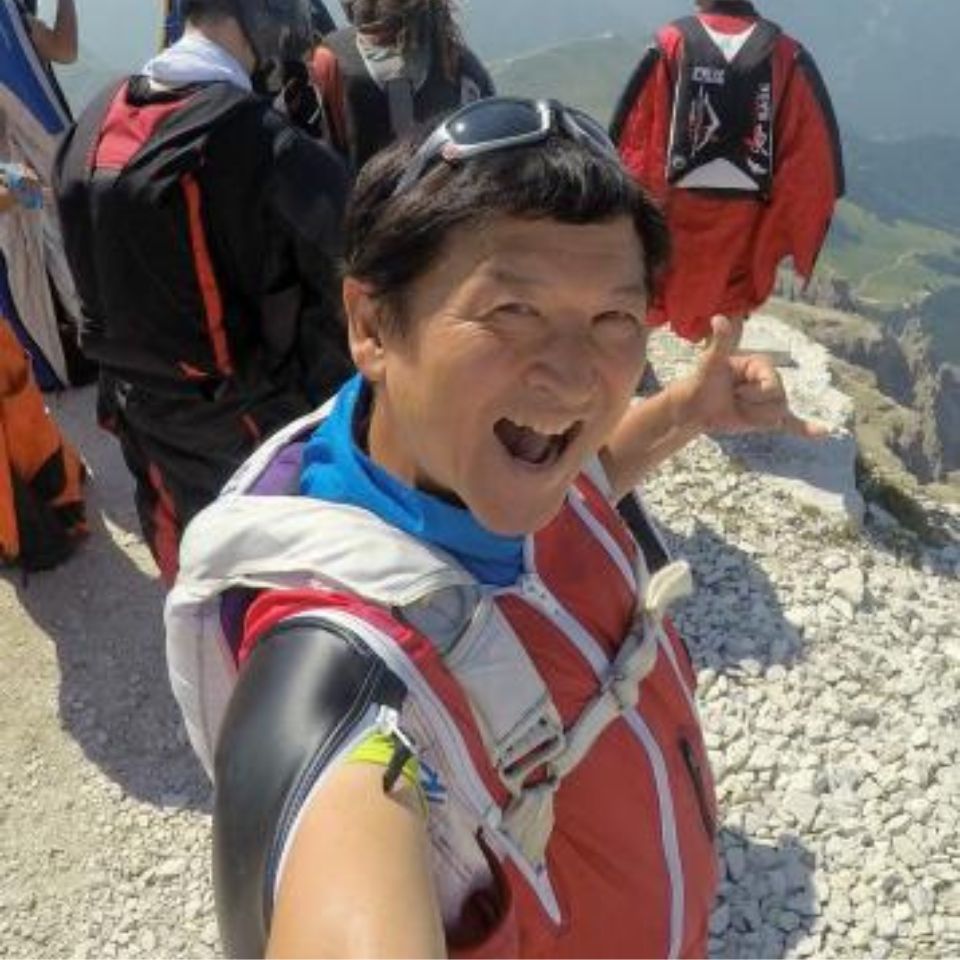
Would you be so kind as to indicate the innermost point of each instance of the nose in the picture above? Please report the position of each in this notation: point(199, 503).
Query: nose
point(564, 369)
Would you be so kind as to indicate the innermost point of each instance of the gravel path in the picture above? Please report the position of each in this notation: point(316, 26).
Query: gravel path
point(830, 676)
point(104, 834)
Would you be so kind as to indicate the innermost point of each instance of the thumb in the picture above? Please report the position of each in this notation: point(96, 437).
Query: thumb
point(808, 429)
point(723, 343)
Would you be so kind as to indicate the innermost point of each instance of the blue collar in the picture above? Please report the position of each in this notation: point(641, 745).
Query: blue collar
point(336, 469)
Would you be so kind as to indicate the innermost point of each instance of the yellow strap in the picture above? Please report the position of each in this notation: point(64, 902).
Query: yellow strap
point(378, 748)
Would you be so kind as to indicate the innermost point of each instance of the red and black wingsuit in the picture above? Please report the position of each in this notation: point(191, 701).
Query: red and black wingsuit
point(727, 121)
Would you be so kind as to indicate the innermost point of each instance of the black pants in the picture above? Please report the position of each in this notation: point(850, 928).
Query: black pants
point(182, 450)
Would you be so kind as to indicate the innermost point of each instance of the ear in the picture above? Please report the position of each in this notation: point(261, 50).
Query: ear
point(363, 328)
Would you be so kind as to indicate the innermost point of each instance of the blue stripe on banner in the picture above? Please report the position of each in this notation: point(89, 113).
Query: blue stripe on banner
point(22, 73)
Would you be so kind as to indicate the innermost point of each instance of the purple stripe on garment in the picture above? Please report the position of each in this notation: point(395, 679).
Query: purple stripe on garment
point(282, 476)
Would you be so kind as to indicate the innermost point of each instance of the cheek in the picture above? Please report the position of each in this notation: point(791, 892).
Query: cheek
point(624, 366)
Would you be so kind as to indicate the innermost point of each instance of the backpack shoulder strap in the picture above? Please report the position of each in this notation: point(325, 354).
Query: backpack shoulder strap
point(760, 46)
point(74, 161)
point(399, 92)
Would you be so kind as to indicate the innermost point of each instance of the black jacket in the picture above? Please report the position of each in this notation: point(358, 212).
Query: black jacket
point(202, 231)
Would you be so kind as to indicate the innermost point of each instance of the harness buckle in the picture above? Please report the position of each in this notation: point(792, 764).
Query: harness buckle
point(538, 746)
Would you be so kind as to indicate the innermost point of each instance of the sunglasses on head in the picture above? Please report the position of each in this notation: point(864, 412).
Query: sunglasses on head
point(498, 123)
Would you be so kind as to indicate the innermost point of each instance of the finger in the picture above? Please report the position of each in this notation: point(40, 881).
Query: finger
point(723, 341)
point(769, 391)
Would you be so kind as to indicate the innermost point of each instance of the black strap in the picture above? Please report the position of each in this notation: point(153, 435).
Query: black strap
point(75, 155)
point(651, 545)
point(754, 52)
point(400, 101)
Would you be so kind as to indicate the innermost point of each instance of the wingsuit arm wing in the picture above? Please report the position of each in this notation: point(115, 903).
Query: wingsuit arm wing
point(809, 171)
point(807, 65)
point(328, 78)
point(641, 121)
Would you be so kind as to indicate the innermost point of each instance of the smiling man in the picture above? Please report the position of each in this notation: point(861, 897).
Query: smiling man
point(437, 740)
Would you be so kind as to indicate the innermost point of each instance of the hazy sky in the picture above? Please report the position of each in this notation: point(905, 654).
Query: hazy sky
point(118, 32)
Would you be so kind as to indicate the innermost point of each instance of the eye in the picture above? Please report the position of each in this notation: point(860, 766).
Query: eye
point(516, 309)
point(618, 323)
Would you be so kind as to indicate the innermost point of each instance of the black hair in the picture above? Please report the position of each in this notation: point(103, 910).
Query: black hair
point(392, 241)
point(196, 10)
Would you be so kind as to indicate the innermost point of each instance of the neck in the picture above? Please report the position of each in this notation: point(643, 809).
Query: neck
point(225, 32)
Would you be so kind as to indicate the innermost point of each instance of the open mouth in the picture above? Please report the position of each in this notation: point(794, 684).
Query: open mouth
point(533, 447)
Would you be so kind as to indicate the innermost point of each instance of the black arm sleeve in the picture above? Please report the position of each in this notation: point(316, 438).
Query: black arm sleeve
point(305, 688)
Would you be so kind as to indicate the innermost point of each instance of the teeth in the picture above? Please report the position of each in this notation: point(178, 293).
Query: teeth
point(548, 429)
point(538, 445)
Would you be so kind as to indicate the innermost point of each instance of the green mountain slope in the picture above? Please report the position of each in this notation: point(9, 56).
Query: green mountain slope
point(897, 236)
point(588, 74)
point(890, 262)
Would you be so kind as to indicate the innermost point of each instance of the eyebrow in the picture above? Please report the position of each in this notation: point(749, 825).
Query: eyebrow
point(504, 275)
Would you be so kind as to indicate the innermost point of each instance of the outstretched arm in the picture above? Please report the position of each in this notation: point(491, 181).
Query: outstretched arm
point(726, 392)
point(357, 881)
point(58, 43)
point(315, 853)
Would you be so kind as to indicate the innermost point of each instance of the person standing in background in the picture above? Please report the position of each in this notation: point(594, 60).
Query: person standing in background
point(42, 513)
point(202, 230)
point(320, 20)
point(399, 63)
point(727, 121)
point(37, 294)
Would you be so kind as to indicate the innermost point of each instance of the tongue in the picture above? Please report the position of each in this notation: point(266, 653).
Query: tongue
point(523, 443)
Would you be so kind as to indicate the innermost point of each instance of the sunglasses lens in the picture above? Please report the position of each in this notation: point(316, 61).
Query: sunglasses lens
point(589, 128)
point(488, 121)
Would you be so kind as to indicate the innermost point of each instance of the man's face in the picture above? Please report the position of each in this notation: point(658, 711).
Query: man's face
point(525, 343)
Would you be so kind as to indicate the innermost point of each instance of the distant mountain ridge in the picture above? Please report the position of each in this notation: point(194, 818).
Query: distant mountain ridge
point(891, 64)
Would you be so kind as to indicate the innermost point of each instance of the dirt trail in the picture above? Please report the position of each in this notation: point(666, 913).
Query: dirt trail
point(94, 767)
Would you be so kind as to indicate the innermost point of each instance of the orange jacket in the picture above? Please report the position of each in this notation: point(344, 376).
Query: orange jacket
point(41, 476)
point(726, 249)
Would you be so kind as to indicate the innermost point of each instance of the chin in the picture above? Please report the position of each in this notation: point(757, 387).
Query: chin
point(516, 519)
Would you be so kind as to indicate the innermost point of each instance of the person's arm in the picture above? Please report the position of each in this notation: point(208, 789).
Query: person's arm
point(313, 854)
point(357, 880)
point(57, 44)
point(726, 392)
point(7, 201)
point(641, 122)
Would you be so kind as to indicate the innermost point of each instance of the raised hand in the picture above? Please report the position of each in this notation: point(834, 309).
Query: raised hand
point(734, 393)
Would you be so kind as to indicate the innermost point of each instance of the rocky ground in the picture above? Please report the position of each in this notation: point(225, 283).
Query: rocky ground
point(829, 667)
point(829, 661)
